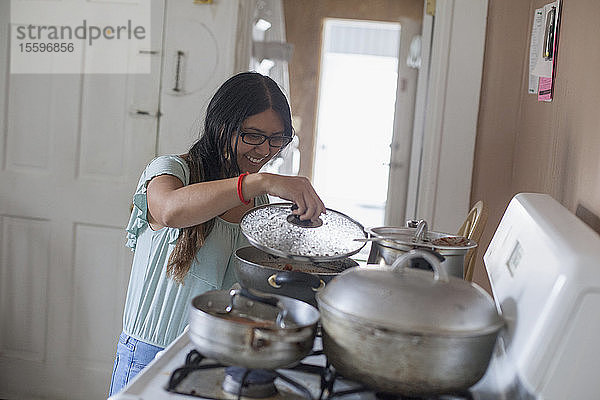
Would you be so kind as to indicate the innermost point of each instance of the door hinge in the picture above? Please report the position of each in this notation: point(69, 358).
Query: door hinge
point(430, 7)
point(150, 52)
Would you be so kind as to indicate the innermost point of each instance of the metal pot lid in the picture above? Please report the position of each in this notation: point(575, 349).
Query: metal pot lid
point(410, 300)
point(405, 239)
point(268, 228)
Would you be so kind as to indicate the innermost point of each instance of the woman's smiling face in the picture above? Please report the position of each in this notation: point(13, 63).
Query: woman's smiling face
point(251, 158)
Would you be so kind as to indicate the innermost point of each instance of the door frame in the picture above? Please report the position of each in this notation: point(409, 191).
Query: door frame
point(444, 133)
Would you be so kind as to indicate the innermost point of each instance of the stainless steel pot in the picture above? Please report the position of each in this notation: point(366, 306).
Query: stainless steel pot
point(242, 329)
point(392, 242)
point(408, 331)
point(256, 269)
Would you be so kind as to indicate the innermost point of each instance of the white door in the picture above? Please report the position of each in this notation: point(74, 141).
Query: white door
point(71, 150)
point(366, 103)
point(199, 55)
point(355, 116)
point(446, 115)
point(406, 118)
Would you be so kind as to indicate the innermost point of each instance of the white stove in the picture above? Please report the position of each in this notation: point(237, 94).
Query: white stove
point(157, 381)
point(544, 269)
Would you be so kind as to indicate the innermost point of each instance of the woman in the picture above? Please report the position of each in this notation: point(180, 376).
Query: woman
point(184, 226)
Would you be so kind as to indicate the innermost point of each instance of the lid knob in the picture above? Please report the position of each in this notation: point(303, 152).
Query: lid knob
point(295, 220)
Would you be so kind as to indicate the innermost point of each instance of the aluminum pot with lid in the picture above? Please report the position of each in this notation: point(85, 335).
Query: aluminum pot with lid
point(390, 242)
point(408, 331)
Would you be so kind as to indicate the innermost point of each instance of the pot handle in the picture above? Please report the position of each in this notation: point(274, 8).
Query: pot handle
point(268, 300)
point(439, 273)
point(279, 279)
point(261, 337)
point(413, 223)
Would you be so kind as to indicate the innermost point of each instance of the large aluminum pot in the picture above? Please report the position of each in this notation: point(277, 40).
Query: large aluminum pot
point(240, 328)
point(256, 269)
point(408, 331)
point(392, 242)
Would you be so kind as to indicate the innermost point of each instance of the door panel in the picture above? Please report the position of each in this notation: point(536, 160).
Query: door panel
point(25, 250)
point(30, 132)
point(95, 272)
point(102, 142)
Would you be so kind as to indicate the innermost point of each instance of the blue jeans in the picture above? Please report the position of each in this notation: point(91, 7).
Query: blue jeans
point(132, 356)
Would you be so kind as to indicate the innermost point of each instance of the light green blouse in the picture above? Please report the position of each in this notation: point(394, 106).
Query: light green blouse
point(157, 307)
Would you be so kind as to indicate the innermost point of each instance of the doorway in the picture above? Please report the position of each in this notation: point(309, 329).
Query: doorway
point(355, 118)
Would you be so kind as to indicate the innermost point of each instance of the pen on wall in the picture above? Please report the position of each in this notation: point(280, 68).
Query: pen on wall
point(549, 35)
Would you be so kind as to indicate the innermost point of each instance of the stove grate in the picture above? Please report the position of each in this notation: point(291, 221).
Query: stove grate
point(193, 362)
point(328, 376)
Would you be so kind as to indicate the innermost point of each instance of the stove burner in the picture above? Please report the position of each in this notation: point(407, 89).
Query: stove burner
point(257, 383)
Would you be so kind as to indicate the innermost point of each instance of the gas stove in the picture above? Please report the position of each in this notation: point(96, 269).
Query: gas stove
point(310, 379)
point(181, 372)
point(543, 268)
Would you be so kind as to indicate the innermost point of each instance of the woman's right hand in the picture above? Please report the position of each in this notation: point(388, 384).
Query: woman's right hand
point(296, 189)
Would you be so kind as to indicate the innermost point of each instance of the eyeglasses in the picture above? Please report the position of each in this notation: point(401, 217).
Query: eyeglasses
point(256, 139)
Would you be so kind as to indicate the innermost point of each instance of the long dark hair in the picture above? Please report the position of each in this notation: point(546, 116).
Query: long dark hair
point(213, 157)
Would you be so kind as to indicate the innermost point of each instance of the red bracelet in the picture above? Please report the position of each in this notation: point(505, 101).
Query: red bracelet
point(239, 188)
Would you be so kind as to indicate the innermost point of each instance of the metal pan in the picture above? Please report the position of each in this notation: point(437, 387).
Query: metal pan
point(391, 242)
point(239, 328)
point(301, 280)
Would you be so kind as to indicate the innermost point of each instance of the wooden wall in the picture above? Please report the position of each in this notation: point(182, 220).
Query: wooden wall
point(528, 146)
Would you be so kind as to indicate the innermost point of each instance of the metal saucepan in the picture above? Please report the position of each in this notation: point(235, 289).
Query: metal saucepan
point(390, 242)
point(243, 329)
point(301, 280)
point(408, 331)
